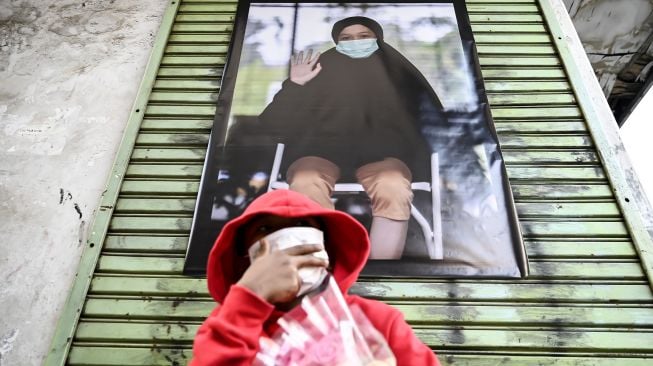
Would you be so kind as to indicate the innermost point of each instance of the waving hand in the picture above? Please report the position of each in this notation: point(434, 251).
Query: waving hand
point(304, 68)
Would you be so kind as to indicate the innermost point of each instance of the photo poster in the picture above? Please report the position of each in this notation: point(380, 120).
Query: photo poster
point(386, 102)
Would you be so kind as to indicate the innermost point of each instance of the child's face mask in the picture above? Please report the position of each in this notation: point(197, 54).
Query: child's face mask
point(358, 48)
point(311, 277)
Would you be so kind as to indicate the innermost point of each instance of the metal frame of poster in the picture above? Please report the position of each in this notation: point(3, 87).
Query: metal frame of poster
point(412, 104)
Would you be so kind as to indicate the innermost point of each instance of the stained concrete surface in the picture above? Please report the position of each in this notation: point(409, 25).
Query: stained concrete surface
point(69, 73)
point(613, 32)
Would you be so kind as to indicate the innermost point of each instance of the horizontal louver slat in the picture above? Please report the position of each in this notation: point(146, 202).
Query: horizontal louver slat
point(164, 355)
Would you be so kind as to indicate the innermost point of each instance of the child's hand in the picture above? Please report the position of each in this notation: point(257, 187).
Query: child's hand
point(273, 274)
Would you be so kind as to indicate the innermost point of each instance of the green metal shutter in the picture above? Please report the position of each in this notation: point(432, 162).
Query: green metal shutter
point(587, 300)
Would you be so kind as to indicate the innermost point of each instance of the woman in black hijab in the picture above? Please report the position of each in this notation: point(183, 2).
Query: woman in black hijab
point(357, 112)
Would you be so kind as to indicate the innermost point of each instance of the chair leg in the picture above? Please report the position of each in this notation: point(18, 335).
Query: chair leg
point(388, 238)
point(426, 230)
point(276, 165)
point(436, 243)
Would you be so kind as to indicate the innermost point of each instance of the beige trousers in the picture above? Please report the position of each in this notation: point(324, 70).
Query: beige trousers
point(386, 182)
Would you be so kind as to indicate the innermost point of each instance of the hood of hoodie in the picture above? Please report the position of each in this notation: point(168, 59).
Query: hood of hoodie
point(346, 240)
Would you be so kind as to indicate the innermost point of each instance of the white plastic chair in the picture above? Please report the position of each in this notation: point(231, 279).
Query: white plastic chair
point(432, 236)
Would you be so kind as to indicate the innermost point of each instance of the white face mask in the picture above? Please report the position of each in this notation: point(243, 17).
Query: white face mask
point(358, 48)
point(311, 277)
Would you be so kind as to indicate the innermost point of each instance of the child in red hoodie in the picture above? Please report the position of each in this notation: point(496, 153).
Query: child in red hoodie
point(254, 295)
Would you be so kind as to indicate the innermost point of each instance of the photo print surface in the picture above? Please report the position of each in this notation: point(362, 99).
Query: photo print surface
point(375, 109)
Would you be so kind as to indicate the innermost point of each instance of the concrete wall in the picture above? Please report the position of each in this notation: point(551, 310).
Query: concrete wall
point(612, 32)
point(69, 72)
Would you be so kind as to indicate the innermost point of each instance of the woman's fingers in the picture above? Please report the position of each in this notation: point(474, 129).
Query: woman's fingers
point(309, 59)
point(316, 71)
point(296, 58)
point(314, 60)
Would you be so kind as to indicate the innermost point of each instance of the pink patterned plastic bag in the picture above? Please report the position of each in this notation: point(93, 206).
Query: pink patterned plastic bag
point(324, 330)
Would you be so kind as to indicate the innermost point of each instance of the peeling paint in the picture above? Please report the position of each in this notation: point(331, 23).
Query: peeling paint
point(7, 343)
point(613, 26)
point(617, 36)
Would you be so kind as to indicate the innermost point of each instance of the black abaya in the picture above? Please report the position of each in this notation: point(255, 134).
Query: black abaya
point(356, 111)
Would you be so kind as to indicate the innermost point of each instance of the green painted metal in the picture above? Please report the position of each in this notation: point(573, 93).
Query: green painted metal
point(165, 355)
point(194, 98)
point(535, 339)
point(553, 269)
point(601, 125)
point(517, 155)
point(517, 60)
point(488, 73)
point(580, 227)
point(192, 169)
point(523, 190)
point(70, 314)
point(534, 209)
point(208, 28)
point(507, 141)
point(534, 125)
point(526, 291)
point(492, 86)
point(482, 38)
point(542, 248)
point(430, 313)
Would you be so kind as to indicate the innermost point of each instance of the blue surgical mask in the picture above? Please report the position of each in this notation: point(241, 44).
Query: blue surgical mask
point(358, 48)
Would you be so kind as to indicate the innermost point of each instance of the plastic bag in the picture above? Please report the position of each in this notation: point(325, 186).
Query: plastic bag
point(324, 330)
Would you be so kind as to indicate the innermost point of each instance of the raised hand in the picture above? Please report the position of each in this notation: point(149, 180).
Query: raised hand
point(303, 68)
point(273, 274)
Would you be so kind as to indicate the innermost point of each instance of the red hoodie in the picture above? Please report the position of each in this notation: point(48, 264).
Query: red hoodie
point(230, 335)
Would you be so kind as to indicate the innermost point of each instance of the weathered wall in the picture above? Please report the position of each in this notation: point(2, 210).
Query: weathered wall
point(612, 32)
point(69, 72)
